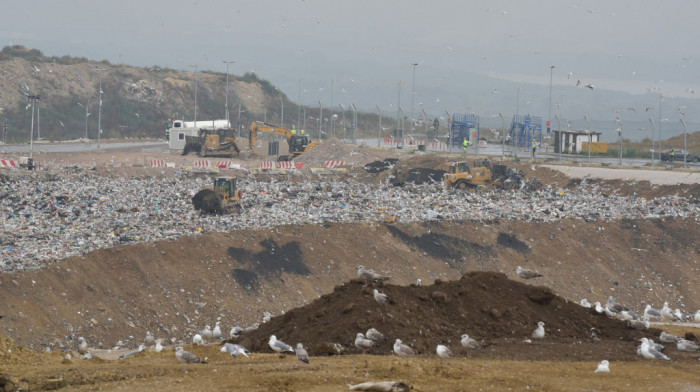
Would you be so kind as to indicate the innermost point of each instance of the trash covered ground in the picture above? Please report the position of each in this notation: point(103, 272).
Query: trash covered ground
point(148, 261)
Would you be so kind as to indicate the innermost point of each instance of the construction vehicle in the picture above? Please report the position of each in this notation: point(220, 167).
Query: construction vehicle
point(461, 175)
point(298, 144)
point(224, 197)
point(212, 142)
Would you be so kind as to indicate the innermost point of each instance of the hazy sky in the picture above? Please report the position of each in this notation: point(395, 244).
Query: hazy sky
point(626, 45)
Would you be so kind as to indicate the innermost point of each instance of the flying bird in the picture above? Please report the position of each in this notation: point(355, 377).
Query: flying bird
point(302, 355)
point(187, 357)
point(526, 273)
point(588, 85)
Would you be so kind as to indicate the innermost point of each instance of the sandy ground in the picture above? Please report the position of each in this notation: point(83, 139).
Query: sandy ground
point(656, 176)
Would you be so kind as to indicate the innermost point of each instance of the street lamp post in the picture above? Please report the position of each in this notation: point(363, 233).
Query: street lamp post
point(619, 135)
point(354, 123)
point(549, 119)
point(561, 138)
point(32, 99)
point(653, 127)
point(320, 119)
point(299, 105)
point(228, 122)
point(588, 130)
point(685, 151)
point(99, 111)
point(449, 136)
point(344, 127)
point(282, 116)
point(379, 132)
point(503, 142)
point(195, 93)
point(413, 93)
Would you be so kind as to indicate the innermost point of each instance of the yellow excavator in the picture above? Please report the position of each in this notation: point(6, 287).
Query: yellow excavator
point(298, 144)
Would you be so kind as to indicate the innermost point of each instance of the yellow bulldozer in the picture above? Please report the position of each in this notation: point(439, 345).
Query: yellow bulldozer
point(461, 175)
point(298, 144)
point(212, 142)
point(224, 197)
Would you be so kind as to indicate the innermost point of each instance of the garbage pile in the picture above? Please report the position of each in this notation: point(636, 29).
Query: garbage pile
point(78, 211)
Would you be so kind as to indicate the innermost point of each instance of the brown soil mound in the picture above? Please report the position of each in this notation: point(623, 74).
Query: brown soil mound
point(501, 313)
point(11, 353)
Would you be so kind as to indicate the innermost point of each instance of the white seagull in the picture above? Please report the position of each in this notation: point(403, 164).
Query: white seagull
point(206, 333)
point(266, 317)
point(402, 349)
point(302, 355)
point(650, 312)
point(279, 346)
point(363, 343)
point(373, 334)
point(584, 302)
point(150, 340)
point(235, 331)
point(216, 333)
point(539, 332)
point(667, 337)
point(82, 346)
point(235, 350)
point(381, 297)
point(443, 351)
point(469, 342)
point(369, 275)
point(526, 273)
point(159, 345)
point(686, 345)
point(646, 350)
point(603, 367)
point(197, 340)
point(187, 357)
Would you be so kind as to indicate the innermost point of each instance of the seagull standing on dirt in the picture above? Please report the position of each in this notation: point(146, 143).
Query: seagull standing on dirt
point(235, 331)
point(216, 333)
point(686, 345)
point(667, 337)
point(369, 275)
point(362, 343)
point(526, 273)
point(469, 342)
point(646, 350)
point(697, 316)
point(639, 324)
point(159, 345)
point(82, 346)
point(206, 334)
point(584, 302)
point(539, 332)
point(187, 357)
point(373, 334)
point(235, 350)
point(443, 351)
point(401, 349)
point(381, 298)
point(650, 312)
point(197, 340)
point(603, 367)
point(150, 340)
point(302, 355)
point(279, 346)
point(251, 328)
point(266, 317)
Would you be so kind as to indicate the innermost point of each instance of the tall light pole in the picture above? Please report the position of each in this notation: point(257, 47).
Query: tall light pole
point(653, 127)
point(354, 123)
point(588, 129)
point(685, 151)
point(561, 139)
point(619, 135)
point(503, 142)
point(320, 119)
point(379, 132)
point(331, 107)
point(413, 93)
point(32, 99)
point(549, 119)
point(449, 133)
point(227, 112)
point(99, 110)
point(195, 92)
point(344, 127)
point(299, 106)
point(398, 119)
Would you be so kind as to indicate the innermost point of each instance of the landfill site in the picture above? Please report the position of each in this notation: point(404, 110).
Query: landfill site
point(107, 247)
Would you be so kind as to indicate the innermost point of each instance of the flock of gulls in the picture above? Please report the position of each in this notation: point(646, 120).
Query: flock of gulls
point(648, 348)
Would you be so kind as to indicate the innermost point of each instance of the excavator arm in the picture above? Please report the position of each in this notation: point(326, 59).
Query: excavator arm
point(259, 126)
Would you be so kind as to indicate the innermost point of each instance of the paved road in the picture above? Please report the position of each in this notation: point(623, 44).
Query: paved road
point(83, 147)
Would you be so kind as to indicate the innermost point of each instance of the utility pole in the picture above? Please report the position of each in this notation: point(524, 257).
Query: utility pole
point(228, 122)
point(99, 111)
point(379, 133)
point(195, 93)
point(413, 93)
point(299, 106)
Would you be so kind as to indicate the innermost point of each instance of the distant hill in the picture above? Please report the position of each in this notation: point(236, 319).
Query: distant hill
point(136, 102)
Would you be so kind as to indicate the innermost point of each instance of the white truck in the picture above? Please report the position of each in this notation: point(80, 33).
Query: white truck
point(176, 131)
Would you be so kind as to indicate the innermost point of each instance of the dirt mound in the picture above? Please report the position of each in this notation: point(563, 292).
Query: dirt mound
point(10, 353)
point(486, 305)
